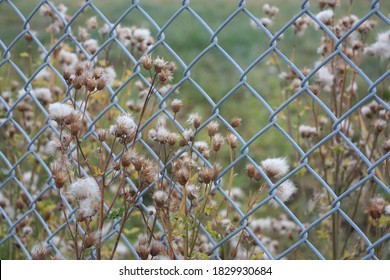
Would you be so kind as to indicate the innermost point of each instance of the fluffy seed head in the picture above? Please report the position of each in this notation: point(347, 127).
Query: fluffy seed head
point(38, 252)
point(154, 248)
point(205, 175)
point(252, 172)
point(192, 192)
point(212, 128)
point(43, 95)
point(146, 61)
point(217, 142)
point(275, 167)
point(284, 192)
point(160, 198)
point(85, 188)
point(235, 122)
point(142, 251)
point(124, 128)
point(379, 125)
point(376, 207)
point(307, 131)
point(176, 105)
point(159, 64)
point(165, 76)
point(63, 114)
point(232, 140)
point(194, 119)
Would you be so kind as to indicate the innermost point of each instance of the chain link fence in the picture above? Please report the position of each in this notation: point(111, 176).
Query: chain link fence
point(11, 163)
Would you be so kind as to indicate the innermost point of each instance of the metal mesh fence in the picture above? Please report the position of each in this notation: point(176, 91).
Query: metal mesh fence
point(12, 179)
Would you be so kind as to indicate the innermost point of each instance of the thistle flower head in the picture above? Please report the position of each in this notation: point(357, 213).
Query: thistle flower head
point(307, 131)
point(43, 95)
point(217, 142)
point(284, 192)
point(85, 188)
point(159, 64)
point(325, 77)
point(176, 105)
point(124, 128)
point(275, 167)
point(376, 207)
point(212, 128)
point(141, 34)
point(63, 114)
point(232, 140)
point(87, 208)
point(325, 16)
point(192, 192)
point(160, 198)
point(194, 120)
point(146, 61)
point(91, 23)
point(39, 251)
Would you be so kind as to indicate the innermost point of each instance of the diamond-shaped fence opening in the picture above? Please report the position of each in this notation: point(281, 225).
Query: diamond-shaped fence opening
point(268, 138)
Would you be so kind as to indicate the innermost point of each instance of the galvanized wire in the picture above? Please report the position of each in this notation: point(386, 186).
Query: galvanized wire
point(244, 153)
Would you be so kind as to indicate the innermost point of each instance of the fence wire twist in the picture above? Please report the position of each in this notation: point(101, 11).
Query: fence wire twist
point(244, 152)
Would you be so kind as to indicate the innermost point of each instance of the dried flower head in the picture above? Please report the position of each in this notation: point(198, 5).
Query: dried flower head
point(232, 140)
point(142, 251)
point(376, 207)
point(91, 23)
point(63, 114)
point(217, 142)
point(275, 167)
point(284, 192)
point(58, 175)
point(212, 128)
point(155, 248)
point(379, 125)
point(307, 131)
point(192, 192)
point(205, 175)
point(124, 128)
point(43, 95)
point(85, 188)
point(160, 199)
point(176, 105)
point(159, 64)
point(252, 172)
point(326, 16)
point(38, 252)
point(235, 122)
point(194, 120)
point(165, 76)
point(146, 61)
